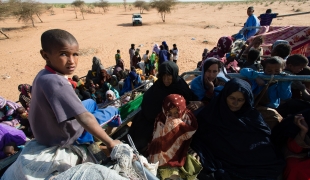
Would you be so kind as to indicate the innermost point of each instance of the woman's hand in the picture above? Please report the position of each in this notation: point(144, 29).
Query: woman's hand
point(301, 123)
point(210, 85)
point(193, 153)
point(194, 105)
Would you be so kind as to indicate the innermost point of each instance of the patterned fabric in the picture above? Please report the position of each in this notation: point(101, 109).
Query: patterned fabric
point(172, 136)
point(24, 97)
point(224, 44)
point(297, 36)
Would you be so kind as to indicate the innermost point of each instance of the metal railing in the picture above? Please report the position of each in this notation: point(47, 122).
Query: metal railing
point(282, 77)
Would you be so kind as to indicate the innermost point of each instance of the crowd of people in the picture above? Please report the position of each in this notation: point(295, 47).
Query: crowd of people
point(217, 127)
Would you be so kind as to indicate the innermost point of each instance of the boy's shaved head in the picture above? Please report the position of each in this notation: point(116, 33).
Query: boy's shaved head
point(56, 37)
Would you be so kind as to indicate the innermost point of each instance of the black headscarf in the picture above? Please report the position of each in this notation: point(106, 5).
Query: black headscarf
point(235, 144)
point(142, 127)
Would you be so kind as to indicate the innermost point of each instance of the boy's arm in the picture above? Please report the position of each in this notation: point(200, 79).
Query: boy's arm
point(249, 73)
point(90, 124)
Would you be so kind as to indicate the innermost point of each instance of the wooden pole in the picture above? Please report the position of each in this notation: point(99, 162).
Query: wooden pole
point(4, 34)
point(285, 15)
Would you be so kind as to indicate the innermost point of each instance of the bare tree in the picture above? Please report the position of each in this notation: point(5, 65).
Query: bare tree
point(25, 11)
point(142, 5)
point(4, 12)
point(163, 7)
point(79, 4)
point(125, 4)
point(102, 4)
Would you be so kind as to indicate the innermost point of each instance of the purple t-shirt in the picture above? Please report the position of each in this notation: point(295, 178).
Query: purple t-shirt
point(54, 105)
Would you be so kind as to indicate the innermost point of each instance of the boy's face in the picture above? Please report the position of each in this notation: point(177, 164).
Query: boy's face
point(295, 69)
point(63, 59)
point(273, 69)
point(250, 12)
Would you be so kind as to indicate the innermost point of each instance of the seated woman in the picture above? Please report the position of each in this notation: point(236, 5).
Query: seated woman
point(292, 136)
point(168, 82)
point(173, 131)
point(25, 95)
point(232, 139)
point(110, 97)
point(132, 81)
point(94, 74)
point(208, 84)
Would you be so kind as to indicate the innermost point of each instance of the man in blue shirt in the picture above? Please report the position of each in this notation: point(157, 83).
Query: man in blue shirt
point(266, 19)
point(251, 24)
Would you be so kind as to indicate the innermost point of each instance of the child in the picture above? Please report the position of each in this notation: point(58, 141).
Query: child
point(251, 61)
point(146, 60)
point(281, 49)
point(294, 64)
point(175, 53)
point(117, 56)
point(171, 55)
point(278, 90)
point(152, 63)
point(57, 117)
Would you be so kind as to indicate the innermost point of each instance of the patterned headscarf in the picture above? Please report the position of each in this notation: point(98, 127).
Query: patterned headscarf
point(224, 44)
point(24, 89)
point(174, 101)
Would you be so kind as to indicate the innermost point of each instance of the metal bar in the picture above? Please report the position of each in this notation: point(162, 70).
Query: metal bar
point(295, 14)
point(284, 77)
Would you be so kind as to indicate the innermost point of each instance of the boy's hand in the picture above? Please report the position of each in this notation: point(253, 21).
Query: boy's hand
point(301, 123)
point(260, 82)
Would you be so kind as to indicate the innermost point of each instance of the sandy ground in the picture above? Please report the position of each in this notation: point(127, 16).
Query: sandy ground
point(101, 35)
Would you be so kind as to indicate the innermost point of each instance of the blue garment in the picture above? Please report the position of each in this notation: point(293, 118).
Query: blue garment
point(252, 21)
point(127, 83)
point(197, 87)
point(109, 115)
point(163, 56)
point(281, 90)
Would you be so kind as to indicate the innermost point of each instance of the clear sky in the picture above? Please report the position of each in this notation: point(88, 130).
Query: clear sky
point(113, 1)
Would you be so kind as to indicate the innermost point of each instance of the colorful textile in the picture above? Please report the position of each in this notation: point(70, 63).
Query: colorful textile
point(297, 36)
point(172, 135)
point(8, 135)
point(24, 97)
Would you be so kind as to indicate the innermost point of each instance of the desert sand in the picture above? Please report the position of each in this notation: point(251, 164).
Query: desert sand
point(188, 26)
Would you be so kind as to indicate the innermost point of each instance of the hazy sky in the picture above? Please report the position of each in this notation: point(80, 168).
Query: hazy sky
point(90, 1)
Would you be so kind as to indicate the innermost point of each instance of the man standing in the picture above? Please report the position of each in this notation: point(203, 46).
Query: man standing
point(251, 25)
point(175, 53)
point(266, 19)
point(132, 53)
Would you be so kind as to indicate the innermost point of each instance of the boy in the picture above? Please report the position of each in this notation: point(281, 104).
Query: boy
point(277, 90)
point(57, 117)
point(294, 64)
point(266, 19)
point(146, 60)
point(251, 24)
point(175, 53)
point(117, 56)
point(282, 50)
point(251, 61)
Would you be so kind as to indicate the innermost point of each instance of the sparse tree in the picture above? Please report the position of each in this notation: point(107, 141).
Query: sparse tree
point(125, 4)
point(142, 5)
point(79, 4)
point(4, 13)
point(102, 4)
point(25, 11)
point(163, 7)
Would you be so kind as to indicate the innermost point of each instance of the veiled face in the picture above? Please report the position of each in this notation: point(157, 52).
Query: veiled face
point(167, 79)
point(235, 101)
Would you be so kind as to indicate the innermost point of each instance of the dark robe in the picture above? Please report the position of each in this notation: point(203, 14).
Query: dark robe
point(235, 145)
point(143, 124)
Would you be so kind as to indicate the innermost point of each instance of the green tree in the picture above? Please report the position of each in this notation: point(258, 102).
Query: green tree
point(163, 7)
point(142, 5)
point(78, 4)
point(102, 4)
point(4, 13)
point(26, 10)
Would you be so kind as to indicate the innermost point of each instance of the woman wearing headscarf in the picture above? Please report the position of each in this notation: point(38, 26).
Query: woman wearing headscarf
point(165, 45)
point(156, 49)
point(292, 137)
point(132, 81)
point(208, 84)
point(168, 82)
point(24, 96)
point(95, 73)
point(232, 139)
point(135, 59)
point(110, 97)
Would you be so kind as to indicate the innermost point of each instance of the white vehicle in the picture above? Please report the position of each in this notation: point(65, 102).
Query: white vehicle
point(136, 19)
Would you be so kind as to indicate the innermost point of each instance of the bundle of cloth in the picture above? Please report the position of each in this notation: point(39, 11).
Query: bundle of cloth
point(297, 36)
point(7, 112)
